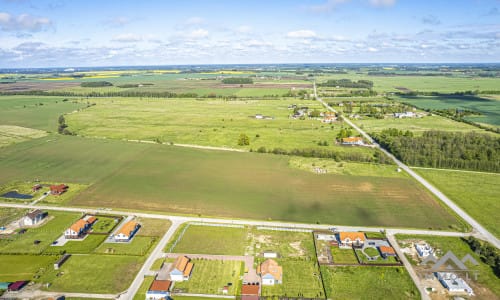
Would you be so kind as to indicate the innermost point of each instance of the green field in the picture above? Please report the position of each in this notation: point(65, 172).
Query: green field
point(288, 244)
point(343, 256)
point(368, 283)
point(212, 240)
point(46, 234)
point(96, 273)
point(180, 180)
point(85, 246)
point(486, 278)
point(141, 293)
point(26, 111)
point(8, 215)
point(477, 193)
point(300, 279)
point(24, 267)
point(345, 168)
point(140, 246)
point(210, 276)
point(15, 134)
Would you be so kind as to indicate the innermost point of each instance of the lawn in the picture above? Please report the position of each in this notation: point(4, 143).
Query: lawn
point(285, 243)
point(15, 134)
point(212, 240)
point(210, 276)
point(105, 224)
point(73, 190)
point(300, 279)
point(152, 227)
point(57, 223)
point(343, 256)
point(96, 273)
point(157, 264)
point(88, 245)
point(216, 183)
point(24, 267)
point(35, 111)
point(476, 193)
point(140, 246)
point(368, 283)
point(486, 278)
point(146, 283)
point(8, 214)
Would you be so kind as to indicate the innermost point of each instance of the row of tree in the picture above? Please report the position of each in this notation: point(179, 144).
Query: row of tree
point(348, 83)
point(439, 149)
point(237, 80)
point(489, 254)
point(96, 84)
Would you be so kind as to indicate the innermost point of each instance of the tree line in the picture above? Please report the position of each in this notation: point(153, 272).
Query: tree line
point(237, 80)
point(348, 83)
point(440, 149)
point(489, 254)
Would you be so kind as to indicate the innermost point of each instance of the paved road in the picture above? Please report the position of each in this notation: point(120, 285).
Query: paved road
point(30, 294)
point(409, 268)
point(485, 234)
point(157, 253)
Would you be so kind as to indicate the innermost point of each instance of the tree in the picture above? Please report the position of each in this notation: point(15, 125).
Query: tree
point(243, 140)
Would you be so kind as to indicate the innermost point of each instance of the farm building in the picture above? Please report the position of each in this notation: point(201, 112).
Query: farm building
point(453, 283)
point(127, 231)
point(182, 269)
point(17, 286)
point(250, 292)
point(34, 217)
point(423, 249)
point(351, 239)
point(58, 189)
point(61, 261)
point(386, 251)
point(352, 141)
point(80, 227)
point(270, 272)
point(159, 290)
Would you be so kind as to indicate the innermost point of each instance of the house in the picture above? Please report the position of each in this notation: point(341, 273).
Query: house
point(17, 286)
point(270, 272)
point(270, 254)
point(386, 251)
point(329, 119)
point(453, 283)
point(58, 189)
point(352, 141)
point(250, 292)
point(423, 250)
point(182, 269)
point(351, 239)
point(80, 227)
point(34, 217)
point(127, 231)
point(159, 290)
point(36, 187)
point(61, 261)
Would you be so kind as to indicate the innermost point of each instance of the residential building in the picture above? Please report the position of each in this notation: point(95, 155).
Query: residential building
point(58, 189)
point(80, 227)
point(270, 272)
point(353, 141)
point(386, 251)
point(36, 187)
point(159, 290)
point(182, 269)
point(423, 249)
point(34, 217)
point(250, 292)
point(351, 239)
point(453, 283)
point(127, 231)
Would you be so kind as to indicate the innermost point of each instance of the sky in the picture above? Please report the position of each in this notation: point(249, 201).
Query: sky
point(64, 33)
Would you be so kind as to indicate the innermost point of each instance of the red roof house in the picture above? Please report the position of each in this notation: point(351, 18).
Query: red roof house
point(58, 189)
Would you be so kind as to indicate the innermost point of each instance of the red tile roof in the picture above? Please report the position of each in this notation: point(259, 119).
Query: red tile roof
point(248, 289)
point(386, 249)
point(160, 285)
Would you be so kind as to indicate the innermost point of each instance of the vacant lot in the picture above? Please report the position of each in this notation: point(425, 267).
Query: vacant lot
point(212, 240)
point(343, 256)
point(15, 134)
point(368, 283)
point(486, 278)
point(300, 279)
point(210, 276)
point(8, 215)
point(86, 246)
point(96, 273)
point(24, 267)
point(477, 193)
point(170, 179)
point(140, 245)
point(285, 243)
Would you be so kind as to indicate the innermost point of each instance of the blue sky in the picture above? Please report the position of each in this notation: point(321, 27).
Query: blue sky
point(63, 33)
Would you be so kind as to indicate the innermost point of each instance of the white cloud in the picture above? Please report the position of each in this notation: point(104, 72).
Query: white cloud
point(244, 29)
point(371, 49)
point(198, 33)
point(302, 34)
point(382, 3)
point(328, 6)
point(127, 38)
point(23, 22)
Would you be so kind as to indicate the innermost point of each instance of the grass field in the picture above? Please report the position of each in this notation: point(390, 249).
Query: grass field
point(8, 215)
point(96, 273)
point(152, 227)
point(15, 134)
point(105, 224)
point(46, 234)
point(86, 246)
point(171, 179)
point(140, 246)
point(27, 111)
point(486, 277)
point(212, 240)
point(210, 276)
point(343, 256)
point(368, 283)
point(24, 267)
point(300, 279)
point(477, 193)
point(141, 293)
point(287, 244)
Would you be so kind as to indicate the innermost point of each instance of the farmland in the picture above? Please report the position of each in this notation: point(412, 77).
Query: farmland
point(368, 283)
point(477, 193)
point(128, 183)
point(16, 134)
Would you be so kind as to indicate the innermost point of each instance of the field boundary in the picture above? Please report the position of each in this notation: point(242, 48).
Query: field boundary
point(455, 170)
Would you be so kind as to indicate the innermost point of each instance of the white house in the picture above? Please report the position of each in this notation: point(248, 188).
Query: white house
point(424, 250)
point(181, 269)
point(127, 231)
point(351, 239)
point(453, 283)
point(352, 141)
point(34, 217)
point(270, 272)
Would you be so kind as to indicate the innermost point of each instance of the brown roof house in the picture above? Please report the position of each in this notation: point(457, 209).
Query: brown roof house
point(182, 269)
point(58, 189)
point(250, 292)
point(34, 217)
point(270, 272)
point(80, 227)
point(127, 231)
point(159, 290)
point(351, 239)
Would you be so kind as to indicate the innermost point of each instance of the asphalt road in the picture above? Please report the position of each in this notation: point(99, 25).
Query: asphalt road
point(480, 231)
